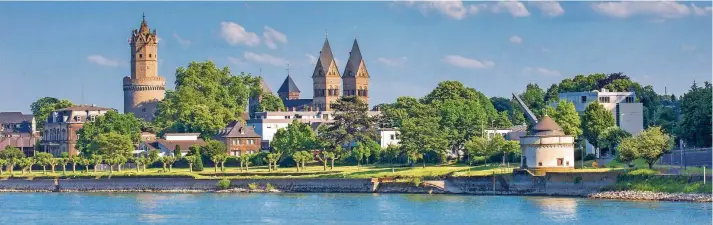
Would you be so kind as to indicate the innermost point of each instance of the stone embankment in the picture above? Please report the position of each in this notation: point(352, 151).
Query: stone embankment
point(652, 196)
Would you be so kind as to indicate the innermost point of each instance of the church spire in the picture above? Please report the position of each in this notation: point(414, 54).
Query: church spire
point(144, 26)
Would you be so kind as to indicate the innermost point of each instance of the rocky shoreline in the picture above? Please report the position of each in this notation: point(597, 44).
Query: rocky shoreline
point(652, 196)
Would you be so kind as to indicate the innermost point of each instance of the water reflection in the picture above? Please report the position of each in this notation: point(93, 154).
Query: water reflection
point(557, 209)
point(152, 218)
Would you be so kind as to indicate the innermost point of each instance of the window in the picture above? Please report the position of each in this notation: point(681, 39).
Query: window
point(629, 99)
point(393, 137)
point(567, 163)
point(539, 164)
point(234, 142)
point(604, 99)
point(560, 161)
point(149, 55)
point(141, 56)
point(584, 99)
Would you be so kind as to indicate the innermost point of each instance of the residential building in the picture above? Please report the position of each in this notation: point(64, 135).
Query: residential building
point(16, 122)
point(627, 112)
point(144, 88)
point(146, 136)
point(60, 130)
point(266, 124)
point(239, 139)
point(547, 148)
point(23, 141)
point(170, 141)
point(389, 136)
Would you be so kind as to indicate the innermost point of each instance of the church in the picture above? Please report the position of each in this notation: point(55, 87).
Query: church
point(327, 82)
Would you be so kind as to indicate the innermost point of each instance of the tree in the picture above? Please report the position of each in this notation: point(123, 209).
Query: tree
point(3, 162)
point(168, 161)
point(612, 137)
point(191, 159)
point(43, 107)
point(496, 144)
point(110, 125)
point(245, 161)
point(534, 98)
point(26, 164)
point(628, 150)
point(296, 137)
point(214, 147)
point(59, 161)
point(510, 147)
point(205, 100)
point(568, 118)
point(74, 159)
point(13, 156)
point(219, 159)
point(552, 94)
point(351, 122)
point(418, 137)
point(596, 120)
point(653, 143)
point(111, 144)
point(271, 160)
point(195, 150)
point(177, 151)
point(392, 153)
point(477, 148)
point(501, 104)
point(502, 121)
point(270, 103)
point(297, 157)
point(43, 159)
point(85, 162)
point(97, 160)
point(695, 125)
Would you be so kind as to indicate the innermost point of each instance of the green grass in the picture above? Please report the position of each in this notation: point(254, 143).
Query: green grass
point(646, 180)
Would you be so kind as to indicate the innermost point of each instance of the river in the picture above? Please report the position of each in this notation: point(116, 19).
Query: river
point(234, 208)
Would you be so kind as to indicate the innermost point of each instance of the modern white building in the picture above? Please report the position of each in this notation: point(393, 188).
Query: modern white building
point(169, 142)
point(389, 136)
point(512, 133)
point(267, 123)
point(547, 148)
point(628, 113)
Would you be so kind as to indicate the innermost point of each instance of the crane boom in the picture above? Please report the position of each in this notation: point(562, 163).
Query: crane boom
point(530, 116)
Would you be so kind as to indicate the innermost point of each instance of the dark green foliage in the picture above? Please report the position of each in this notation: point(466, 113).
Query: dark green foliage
point(42, 108)
point(695, 126)
point(111, 122)
point(223, 184)
point(501, 104)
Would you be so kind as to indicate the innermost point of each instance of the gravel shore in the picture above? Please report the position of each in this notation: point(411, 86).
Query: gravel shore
point(652, 196)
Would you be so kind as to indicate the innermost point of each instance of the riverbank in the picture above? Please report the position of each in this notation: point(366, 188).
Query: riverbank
point(554, 184)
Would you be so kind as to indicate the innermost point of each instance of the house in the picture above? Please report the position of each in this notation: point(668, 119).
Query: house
point(23, 141)
point(16, 122)
point(389, 136)
point(628, 114)
point(60, 131)
point(547, 148)
point(170, 141)
point(239, 139)
point(147, 136)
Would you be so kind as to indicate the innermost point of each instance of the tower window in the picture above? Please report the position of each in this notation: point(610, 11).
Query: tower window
point(149, 55)
point(141, 56)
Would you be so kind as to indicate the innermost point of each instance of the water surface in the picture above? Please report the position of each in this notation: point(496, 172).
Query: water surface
point(233, 208)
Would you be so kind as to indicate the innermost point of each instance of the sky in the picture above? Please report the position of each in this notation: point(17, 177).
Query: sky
point(79, 50)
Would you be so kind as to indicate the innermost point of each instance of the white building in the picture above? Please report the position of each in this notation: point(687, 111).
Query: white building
point(547, 148)
point(267, 123)
point(628, 114)
point(512, 133)
point(389, 136)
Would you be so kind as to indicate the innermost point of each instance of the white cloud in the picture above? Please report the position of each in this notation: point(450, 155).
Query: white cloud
point(515, 8)
point(235, 60)
point(542, 71)
point(549, 8)
point(393, 61)
point(701, 11)
point(664, 9)
point(463, 62)
point(452, 9)
point(235, 34)
point(312, 59)
point(516, 40)
point(272, 37)
point(265, 59)
point(103, 61)
point(183, 42)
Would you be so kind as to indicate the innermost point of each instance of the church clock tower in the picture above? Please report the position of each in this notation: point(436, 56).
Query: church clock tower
point(144, 88)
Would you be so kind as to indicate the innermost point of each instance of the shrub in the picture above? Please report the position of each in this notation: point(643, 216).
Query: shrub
point(589, 157)
point(223, 184)
point(252, 186)
point(643, 171)
point(269, 186)
point(416, 181)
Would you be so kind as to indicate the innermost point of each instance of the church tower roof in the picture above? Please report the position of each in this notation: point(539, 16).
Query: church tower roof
point(355, 61)
point(264, 86)
point(144, 26)
point(288, 86)
point(325, 58)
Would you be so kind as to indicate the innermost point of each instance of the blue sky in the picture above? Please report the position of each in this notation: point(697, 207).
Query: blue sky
point(61, 48)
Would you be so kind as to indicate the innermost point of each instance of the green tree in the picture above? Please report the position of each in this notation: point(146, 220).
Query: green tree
point(43, 107)
point(110, 124)
point(552, 94)
point(510, 147)
point(502, 121)
point(270, 103)
point(596, 120)
point(695, 125)
point(13, 156)
point(271, 160)
point(74, 159)
point(628, 150)
point(477, 148)
point(196, 151)
point(653, 143)
point(296, 137)
point(112, 144)
point(43, 159)
point(191, 159)
point(392, 153)
point(245, 161)
point(351, 122)
point(86, 162)
point(496, 144)
point(501, 104)
point(205, 100)
point(26, 164)
point(612, 137)
point(419, 137)
point(219, 159)
point(568, 118)
point(97, 160)
point(3, 162)
point(214, 147)
point(534, 98)
point(177, 151)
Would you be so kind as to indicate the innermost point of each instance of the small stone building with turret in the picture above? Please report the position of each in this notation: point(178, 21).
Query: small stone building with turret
point(144, 88)
point(547, 148)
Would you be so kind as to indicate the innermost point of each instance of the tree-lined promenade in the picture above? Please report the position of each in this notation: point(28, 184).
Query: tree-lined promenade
point(443, 129)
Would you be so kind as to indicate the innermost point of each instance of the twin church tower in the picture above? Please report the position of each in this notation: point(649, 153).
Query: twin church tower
point(145, 88)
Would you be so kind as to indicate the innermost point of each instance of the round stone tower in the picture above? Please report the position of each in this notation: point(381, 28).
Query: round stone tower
point(144, 88)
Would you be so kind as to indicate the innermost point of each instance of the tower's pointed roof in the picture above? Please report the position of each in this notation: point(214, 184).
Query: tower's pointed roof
point(264, 86)
point(144, 26)
point(547, 127)
point(288, 86)
point(355, 60)
point(325, 58)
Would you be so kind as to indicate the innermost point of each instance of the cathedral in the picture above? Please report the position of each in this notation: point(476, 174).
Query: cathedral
point(328, 83)
point(144, 88)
